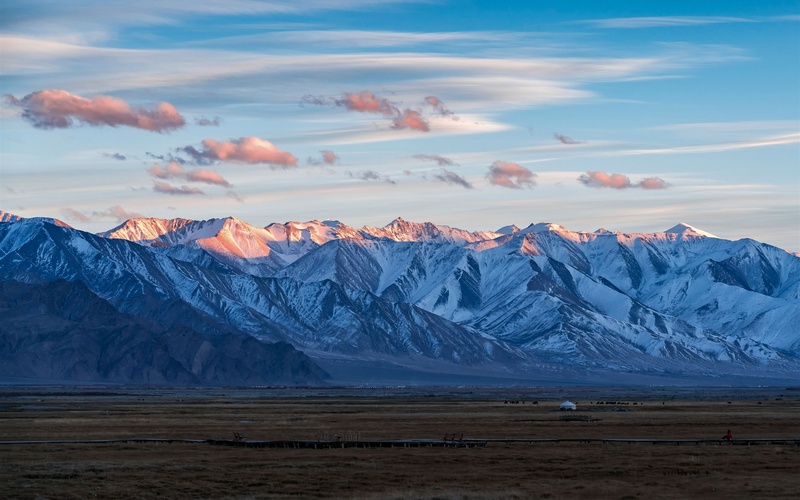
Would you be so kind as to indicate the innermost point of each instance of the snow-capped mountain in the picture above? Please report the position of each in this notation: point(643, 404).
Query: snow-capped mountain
point(426, 297)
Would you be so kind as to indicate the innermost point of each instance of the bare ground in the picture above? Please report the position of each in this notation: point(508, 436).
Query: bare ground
point(542, 470)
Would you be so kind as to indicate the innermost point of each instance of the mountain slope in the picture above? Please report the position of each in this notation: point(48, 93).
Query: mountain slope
point(62, 331)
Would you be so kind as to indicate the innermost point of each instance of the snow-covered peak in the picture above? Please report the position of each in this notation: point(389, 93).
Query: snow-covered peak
point(402, 230)
point(506, 230)
point(144, 229)
point(542, 227)
point(7, 217)
point(686, 229)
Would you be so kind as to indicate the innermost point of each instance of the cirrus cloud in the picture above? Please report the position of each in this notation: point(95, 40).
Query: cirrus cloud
point(511, 175)
point(60, 109)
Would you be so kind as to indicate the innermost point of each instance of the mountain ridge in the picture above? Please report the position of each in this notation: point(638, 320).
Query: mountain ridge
point(421, 296)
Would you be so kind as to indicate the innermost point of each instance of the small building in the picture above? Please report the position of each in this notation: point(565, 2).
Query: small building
point(567, 406)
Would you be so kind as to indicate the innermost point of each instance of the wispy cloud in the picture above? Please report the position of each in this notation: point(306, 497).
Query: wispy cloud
point(370, 175)
point(174, 170)
point(167, 157)
point(449, 177)
point(442, 161)
point(327, 157)
point(563, 139)
point(235, 196)
point(619, 181)
point(439, 107)
point(118, 213)
point(510, 175)
point(166, 188)
point(663, 21)
point(59, 109)
point(250, 150)
point(713, 148)
point(115, 212)
point(74, 215)
point(337, 39)
point(202, 121)
point(115, 156)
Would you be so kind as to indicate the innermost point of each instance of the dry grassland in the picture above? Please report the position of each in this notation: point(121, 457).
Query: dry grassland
point(543, 470)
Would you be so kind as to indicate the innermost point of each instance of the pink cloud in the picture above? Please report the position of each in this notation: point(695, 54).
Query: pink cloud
point(367, 102)
point(653, 183)
point(602, 179)
point(175, 171)
point(60, 109)
point(510, 175)
point(619, 181)
point(437, 105)
point(207, 176)
point(411, 119)
point(172, 170)
point(250, 150)
point(329, 157)
point(165, 188)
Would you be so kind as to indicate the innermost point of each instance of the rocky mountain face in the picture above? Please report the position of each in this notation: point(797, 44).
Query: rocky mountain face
point(421, 297)
point(62, 331)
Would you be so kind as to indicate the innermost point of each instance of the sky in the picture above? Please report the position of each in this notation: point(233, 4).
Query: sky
point(628, 116)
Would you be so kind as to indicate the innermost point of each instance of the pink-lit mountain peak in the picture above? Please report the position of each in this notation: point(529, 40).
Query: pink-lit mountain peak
point(9, 217)
point(403, 230)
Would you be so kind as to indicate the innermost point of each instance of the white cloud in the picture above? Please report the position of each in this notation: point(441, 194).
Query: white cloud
point(663, 21)
point(712, 148)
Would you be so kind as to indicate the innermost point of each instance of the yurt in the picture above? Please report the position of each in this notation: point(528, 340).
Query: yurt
point(567, 406)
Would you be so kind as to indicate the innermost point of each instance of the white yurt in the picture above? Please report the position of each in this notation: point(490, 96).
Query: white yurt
point(568, 405)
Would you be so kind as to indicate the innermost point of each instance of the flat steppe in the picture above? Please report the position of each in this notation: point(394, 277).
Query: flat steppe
point(498, 470)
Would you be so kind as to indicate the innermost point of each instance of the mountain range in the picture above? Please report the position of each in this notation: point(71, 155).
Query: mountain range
point(306, 303)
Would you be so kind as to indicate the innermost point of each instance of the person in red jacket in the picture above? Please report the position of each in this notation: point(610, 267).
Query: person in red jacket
point(728, 436)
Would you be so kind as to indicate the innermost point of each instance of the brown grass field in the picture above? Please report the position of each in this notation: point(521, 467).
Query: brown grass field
point(499, 470)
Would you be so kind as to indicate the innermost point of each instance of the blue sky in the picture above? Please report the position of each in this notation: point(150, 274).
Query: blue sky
point(631, 116)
